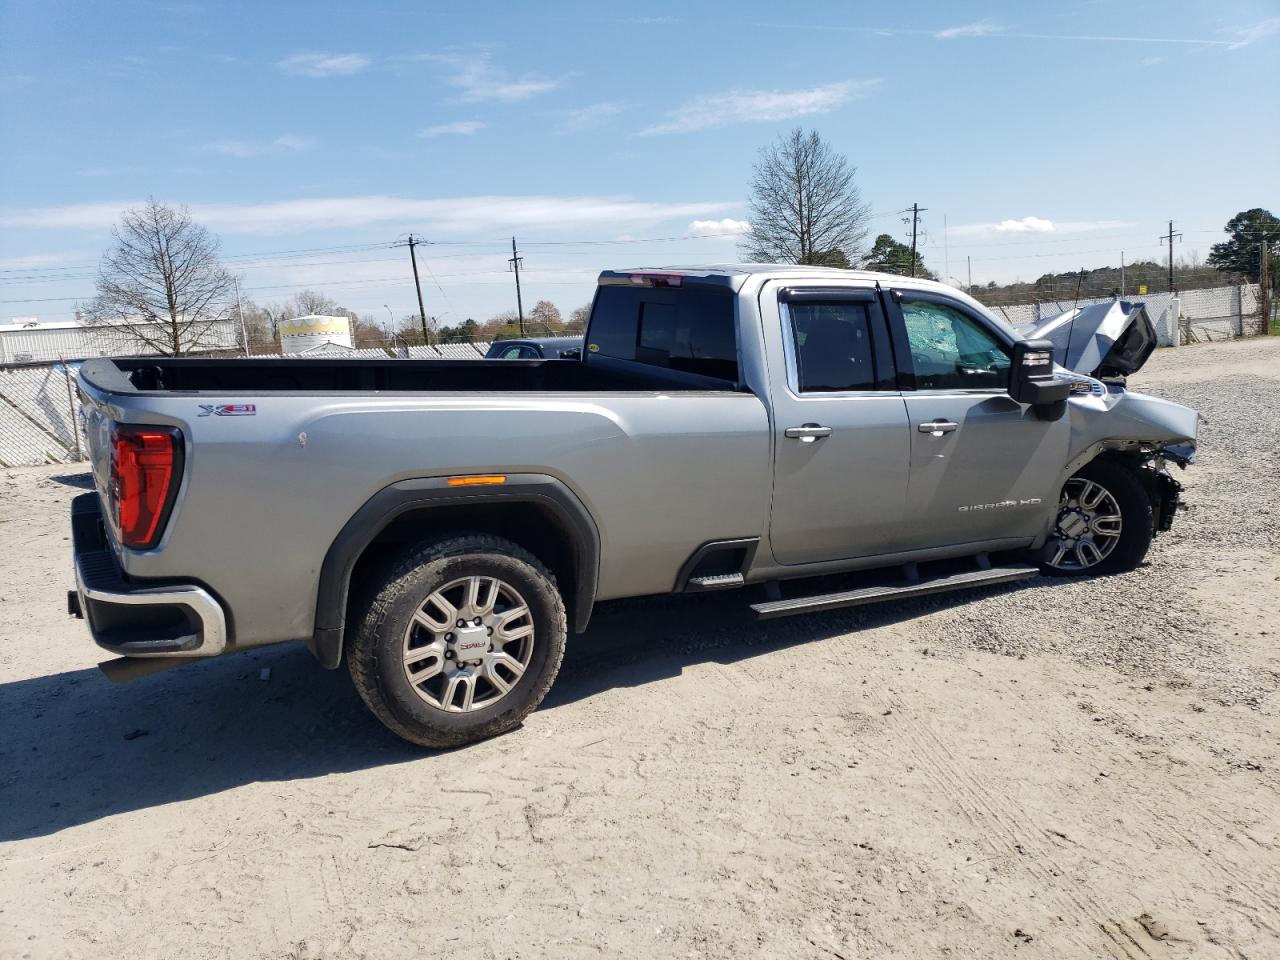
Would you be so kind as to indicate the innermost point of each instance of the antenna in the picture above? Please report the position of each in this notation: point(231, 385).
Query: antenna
point(1071, 328)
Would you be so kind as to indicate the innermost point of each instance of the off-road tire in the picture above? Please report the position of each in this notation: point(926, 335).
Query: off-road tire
point(1136, 513)
point(374, 647)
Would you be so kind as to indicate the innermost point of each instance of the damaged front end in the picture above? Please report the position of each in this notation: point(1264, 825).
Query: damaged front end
point(1099, 346)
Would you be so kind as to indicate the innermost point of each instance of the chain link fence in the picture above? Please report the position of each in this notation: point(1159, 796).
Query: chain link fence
point(40, 403)
point(40, 406)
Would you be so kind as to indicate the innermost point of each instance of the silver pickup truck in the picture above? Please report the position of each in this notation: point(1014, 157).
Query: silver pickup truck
point(442, 525)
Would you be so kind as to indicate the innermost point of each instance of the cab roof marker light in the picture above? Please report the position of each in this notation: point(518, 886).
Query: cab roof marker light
point(657, 279)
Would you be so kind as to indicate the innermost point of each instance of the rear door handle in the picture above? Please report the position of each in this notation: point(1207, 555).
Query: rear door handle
point(808, 433)
point(937, 427)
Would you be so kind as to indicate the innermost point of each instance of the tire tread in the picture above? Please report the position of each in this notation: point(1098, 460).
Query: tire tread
point(362, 662)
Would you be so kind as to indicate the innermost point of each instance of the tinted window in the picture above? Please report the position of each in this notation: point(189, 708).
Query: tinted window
point(952, 351)
point(518, 353)
point(683, 328)
point(833, 346)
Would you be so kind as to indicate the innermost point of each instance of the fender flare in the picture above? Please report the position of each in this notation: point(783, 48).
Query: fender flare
point(434, 493)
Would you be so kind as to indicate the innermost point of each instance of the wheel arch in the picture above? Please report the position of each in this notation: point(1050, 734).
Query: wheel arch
point(536, 511)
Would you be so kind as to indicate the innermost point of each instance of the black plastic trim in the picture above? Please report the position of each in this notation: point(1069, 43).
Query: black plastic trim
point(749, 544)
point(434, 493)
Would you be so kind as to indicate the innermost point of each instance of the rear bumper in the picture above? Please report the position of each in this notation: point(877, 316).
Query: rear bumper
point(133, 619)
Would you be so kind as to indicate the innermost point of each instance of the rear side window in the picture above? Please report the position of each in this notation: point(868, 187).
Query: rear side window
point(833, 346)
point(685, 328)
point(519, 353)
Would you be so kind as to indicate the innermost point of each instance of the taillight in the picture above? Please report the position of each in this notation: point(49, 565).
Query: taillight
point(146, 464)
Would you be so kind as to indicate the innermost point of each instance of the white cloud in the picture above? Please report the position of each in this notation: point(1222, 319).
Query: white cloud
point(587, 118)
point(455, 216)
point(983, 28)
point(243, 149)
point(479, 79)
point(1025, 225)
point(1247, 35)
point(714, 227)
point(742, 106)
point(36, 261)
point(324, 64)
point(1151, 61)
point(462, 128)
point(1035, 225)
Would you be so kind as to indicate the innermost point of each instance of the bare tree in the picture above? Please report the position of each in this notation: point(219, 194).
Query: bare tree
point(545, 317)
point(805, 206)
point(161, 285)
point(309, 303)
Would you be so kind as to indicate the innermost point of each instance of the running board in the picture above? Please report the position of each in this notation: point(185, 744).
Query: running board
point(903, 591)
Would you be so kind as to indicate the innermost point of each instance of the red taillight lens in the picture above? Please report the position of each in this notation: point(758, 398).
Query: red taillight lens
point(145, 464)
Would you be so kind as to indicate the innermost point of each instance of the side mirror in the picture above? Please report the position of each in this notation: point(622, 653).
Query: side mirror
point(1031, 380)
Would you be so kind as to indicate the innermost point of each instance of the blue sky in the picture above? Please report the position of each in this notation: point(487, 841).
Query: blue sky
point(310, 137)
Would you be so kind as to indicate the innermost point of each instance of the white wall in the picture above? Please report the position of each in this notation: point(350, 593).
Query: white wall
point(1215, 313)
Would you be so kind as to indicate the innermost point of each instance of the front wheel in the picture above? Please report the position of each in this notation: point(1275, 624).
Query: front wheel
point(461, 642)
point(1104, 523)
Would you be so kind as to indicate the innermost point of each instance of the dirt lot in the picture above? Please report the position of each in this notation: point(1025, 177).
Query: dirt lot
point(1056, 769)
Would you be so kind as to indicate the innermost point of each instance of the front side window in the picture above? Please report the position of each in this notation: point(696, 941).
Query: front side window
point(952, 351)
point(833, 346)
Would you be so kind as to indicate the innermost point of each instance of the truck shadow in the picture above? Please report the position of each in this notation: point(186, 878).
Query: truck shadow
point(78, 748)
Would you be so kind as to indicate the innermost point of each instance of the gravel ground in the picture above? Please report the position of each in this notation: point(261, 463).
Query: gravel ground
point(1058, 769)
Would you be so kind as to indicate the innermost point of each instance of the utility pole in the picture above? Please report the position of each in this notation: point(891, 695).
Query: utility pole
point(1121, 274)
point(422, 311)
point(916, 210)
point(240, 314)
point(946, 250)
point(969, 262)
point(515, 262)
point(1171, 236)
point(1264, 289)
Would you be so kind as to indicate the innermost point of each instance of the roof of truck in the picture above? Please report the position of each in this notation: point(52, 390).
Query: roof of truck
point(749, 269)
point(735, 275)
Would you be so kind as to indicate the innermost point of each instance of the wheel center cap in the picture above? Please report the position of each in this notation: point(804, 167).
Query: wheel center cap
point(469, 642)
point(1073, 524)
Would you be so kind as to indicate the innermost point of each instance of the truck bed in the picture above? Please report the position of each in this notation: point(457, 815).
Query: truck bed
point(275, 374)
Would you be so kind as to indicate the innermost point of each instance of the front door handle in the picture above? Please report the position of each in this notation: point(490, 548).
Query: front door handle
point(808, 433)
point(937, 427)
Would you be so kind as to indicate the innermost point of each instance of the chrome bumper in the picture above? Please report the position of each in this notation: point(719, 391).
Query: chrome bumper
point(132, 619)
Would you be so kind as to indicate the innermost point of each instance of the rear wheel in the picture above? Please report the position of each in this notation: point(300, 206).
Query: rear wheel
point(1104, 523)
point(461, 641)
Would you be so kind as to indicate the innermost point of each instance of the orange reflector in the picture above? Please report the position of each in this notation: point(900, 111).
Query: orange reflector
point(478, 481)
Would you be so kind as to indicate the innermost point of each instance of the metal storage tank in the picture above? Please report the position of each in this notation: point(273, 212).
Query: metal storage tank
point(306, 333)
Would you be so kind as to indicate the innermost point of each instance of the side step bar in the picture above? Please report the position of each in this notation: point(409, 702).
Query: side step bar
point(918, 588)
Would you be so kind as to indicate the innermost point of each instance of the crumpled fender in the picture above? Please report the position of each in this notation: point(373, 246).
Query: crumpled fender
point(1117, 419)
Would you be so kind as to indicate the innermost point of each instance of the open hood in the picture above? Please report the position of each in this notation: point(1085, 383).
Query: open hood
point(1102, 340)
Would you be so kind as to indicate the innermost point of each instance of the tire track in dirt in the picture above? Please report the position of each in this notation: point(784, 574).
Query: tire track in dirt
point(999, 830)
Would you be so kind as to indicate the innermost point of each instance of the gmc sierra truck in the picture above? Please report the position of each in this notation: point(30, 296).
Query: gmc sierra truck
point(816, 437)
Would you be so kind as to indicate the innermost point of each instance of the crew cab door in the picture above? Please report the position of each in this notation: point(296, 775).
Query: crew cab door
point(983, 467)
point(841, 439)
